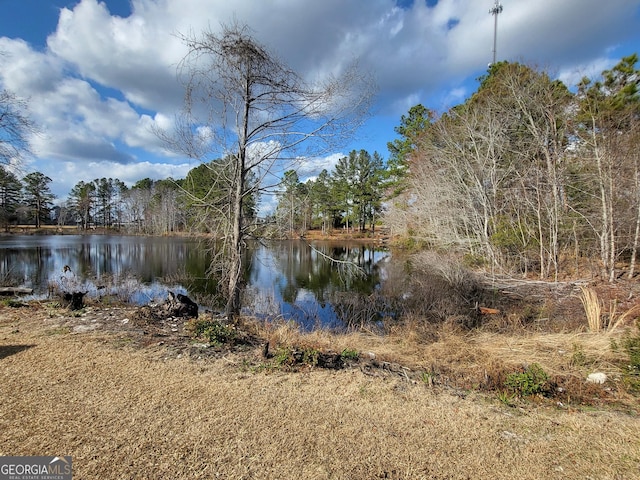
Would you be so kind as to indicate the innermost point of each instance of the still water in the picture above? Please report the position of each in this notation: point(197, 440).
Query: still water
point(286, 279)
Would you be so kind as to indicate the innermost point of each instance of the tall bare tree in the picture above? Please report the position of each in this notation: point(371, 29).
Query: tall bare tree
point(608, 126)
point(246, 106)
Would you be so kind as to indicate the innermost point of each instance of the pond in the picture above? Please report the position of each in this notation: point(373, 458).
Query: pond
point(294, 280)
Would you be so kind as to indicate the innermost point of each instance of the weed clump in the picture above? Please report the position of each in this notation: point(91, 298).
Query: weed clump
point(214, 331)
point(13, 303)
point(349, 354)
point(531, 381)
point(631, 372)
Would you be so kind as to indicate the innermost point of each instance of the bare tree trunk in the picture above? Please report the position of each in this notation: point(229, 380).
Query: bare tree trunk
point(257, 113)
point(236, 249)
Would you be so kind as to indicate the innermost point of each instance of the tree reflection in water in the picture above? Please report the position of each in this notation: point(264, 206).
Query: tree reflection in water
point(292, 280)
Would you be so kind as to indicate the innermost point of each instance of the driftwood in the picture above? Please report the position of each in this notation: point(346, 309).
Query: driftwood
point(16, 291)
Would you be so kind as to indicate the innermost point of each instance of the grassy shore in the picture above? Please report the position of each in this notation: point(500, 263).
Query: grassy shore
point(76, 384)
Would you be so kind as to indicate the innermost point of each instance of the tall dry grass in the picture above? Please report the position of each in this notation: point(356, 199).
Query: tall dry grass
point(599, 321)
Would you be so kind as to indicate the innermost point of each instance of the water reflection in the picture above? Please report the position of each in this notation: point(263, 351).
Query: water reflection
point(289, 279)
point(297, 280)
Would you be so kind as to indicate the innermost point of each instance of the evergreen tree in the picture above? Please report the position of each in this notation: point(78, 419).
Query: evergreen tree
point(10, 197)
point(82, 198)
point(411, 127)
point(38, 196)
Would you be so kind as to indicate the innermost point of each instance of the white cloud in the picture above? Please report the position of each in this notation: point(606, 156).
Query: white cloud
point(104, 82)
point(309, 168)
point(68, 173)
point(571, 75)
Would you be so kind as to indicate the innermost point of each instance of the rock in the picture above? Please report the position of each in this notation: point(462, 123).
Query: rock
point(597, 377)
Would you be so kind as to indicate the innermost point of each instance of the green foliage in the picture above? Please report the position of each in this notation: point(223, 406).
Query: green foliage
point(631, 346)
point(507, 398)
point(427, 378)
point(38, 196)
point(631, 371)
point(355, 187)
point(290, 356)
point(349, 354)
point(351, 196)
point(10, 196)
point(473, 260)
point(578, 357)
point(531, 381)
point(411, 127)
point(510, 236)
point(216, 332)
point(310, 356)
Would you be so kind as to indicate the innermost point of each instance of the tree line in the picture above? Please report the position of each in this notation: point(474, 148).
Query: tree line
point(527, 175)
point(348, 197)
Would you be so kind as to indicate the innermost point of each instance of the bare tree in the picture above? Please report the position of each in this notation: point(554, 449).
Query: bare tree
point(244, 105)
point(539, 106)
point(15, 128)
point(608, 125)
point(487, 176)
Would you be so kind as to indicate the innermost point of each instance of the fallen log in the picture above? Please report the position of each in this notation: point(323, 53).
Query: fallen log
point(16, 291)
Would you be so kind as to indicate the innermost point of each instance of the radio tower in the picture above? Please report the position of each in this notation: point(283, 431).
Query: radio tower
point(495, 11)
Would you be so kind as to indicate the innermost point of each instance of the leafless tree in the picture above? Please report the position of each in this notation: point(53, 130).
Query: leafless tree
point(244, 105)
point(15, 128)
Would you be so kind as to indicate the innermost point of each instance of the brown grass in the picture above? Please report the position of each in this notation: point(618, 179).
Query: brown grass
point(125, 412)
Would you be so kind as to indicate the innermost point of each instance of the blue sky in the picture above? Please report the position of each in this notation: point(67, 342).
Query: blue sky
point(99, 75)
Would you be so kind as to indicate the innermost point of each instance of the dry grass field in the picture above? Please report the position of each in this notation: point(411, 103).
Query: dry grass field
point(129, 402)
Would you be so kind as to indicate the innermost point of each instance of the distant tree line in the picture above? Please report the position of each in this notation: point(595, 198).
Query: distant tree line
point(349, 197)
point(24, 201)
point(527, 175)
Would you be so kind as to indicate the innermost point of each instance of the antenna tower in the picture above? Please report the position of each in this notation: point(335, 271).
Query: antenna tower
point(495, 11)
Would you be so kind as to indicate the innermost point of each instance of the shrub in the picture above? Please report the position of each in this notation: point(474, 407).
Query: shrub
point(293, 357)
point(631, 372)
point(531, 381)
point(631, 345)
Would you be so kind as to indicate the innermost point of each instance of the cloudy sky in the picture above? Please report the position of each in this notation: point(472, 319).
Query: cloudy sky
point(98, 75)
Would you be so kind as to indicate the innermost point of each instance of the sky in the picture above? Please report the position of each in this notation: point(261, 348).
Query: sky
point(100, 75)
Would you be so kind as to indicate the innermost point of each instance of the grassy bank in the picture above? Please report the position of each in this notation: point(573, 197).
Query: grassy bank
point(127, 404)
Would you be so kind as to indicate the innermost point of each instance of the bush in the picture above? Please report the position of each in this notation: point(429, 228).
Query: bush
point(529, 382)
point(291, 356)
